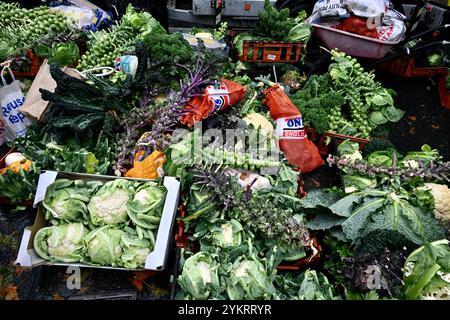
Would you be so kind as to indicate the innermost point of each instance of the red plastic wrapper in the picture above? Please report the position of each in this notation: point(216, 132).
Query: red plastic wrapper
point(212, 101)
point(357, 25)
point(299, 150)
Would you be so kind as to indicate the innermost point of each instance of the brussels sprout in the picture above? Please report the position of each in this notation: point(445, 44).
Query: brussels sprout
point(61, 243)
point(66, 200)
point(109, 204)
point(104, 246)
point(199, 276)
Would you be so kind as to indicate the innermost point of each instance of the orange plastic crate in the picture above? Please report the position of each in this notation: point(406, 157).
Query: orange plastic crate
point(406, 67)
point(271, 51)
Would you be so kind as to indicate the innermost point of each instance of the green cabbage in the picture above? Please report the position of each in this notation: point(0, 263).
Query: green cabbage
point(377, 118)
point(109, 204)
point(66, 200)
point(62, 243)
point(104, 246)
point(238, 43)
point(383, 158)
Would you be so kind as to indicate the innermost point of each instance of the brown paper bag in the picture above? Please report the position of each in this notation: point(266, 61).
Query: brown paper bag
point(34, 107)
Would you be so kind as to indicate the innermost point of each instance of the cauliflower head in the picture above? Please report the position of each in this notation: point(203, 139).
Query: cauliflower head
point(441, 195)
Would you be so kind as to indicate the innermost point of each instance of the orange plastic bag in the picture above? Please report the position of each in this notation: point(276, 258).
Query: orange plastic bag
point(299, 150)
point(147, 168)
point(212, 101)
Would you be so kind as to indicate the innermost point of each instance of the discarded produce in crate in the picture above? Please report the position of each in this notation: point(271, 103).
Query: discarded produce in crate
point(101, 221)
point(299, 150)
point(213, 100)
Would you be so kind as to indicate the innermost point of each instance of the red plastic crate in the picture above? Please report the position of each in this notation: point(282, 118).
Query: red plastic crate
point(271, 51)
point(444, 93)
point(319, 139)
point(406, 67)
point(33, 68)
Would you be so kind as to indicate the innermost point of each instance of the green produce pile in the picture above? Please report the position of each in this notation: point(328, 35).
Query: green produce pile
point(346, 100)
point(109, 224)
point(380, 234)
point(21, 29)
point(276, 25)
point(106, 45)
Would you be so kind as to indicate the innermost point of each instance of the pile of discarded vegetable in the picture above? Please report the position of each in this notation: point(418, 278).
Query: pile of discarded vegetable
point(238, 145)
point(110, 224)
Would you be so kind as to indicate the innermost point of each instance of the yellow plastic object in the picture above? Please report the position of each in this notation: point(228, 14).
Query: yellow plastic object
point(147, 168)
point(16, 166)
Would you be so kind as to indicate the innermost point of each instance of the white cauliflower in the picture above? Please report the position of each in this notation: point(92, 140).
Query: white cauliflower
point(441, 195)
point(258, 120)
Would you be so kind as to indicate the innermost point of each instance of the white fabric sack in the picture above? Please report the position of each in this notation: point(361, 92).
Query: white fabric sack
point(366, 8)
point(328, 8)
point(11, 98)
point(80, 18)
point(393, 27)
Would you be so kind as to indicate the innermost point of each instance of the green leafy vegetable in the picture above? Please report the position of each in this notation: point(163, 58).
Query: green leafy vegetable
point(220, 234)
point(21, 186)
point(427, 272)
point(135, 250)
point(63, 243)
point(66, 200)
point(104, 246)
point(145, 208)
point(199, 278)
point(248, 279)
point(308, 285)
point(275, 24)
point(64, 54)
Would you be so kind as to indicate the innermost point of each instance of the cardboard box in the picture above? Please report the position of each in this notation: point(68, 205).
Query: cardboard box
point(156, 260)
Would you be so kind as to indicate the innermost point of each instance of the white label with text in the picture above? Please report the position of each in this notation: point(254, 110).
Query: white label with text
point(290, 128)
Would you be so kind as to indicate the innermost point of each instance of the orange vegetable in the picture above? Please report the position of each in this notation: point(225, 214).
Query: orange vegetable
point(16, 166)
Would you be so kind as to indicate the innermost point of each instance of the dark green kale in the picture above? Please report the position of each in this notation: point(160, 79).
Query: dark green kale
point(168, 50)
point(382, 273)
point(316, 100)
point(377, 241)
